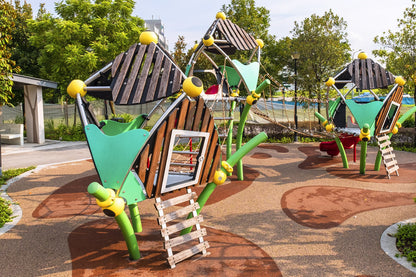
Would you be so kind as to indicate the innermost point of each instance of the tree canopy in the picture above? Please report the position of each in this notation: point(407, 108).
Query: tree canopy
point(83, 38)
point(7, 65)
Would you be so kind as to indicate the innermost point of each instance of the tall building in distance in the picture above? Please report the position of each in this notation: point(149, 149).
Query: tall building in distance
point(156, 26)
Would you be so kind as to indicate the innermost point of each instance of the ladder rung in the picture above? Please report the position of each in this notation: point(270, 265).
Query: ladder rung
point(185, 152)
point(173, 201)
point(188, 253)
point(178, 213)
point(389, 164)
point(222, 135)
point(389, 156)
point(395, 168)
point(181, 225)
point(387, 150)
point(185, 238)
point(182, 164)
point(384, 144)
point(385, 137)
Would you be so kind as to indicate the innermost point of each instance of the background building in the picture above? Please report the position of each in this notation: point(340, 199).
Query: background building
point(156, 26)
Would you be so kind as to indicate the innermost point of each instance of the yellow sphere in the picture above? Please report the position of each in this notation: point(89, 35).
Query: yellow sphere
point(219, 177)
point(75, 87)
point(148, 37)
point(395, 130)
point(220, 15)
point(235, 93)
point(362, 56)
point(329, 127)
point(208, 40)
point(192, 86)
point(400, 81)
point(260, 42)
point(330, 82)
point(115, 209)
point(251, 100)
point(195, 47)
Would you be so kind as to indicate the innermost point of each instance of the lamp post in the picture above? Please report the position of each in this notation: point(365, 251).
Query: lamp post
point(295, 57)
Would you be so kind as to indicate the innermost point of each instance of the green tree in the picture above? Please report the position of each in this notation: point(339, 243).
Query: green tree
point(7, 65)
point(179, 55)
point(83, 38)
point(323, 46)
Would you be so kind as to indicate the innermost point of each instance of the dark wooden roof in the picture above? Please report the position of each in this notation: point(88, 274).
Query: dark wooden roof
point(142, 74)
point(236, 38)
point(366, 74)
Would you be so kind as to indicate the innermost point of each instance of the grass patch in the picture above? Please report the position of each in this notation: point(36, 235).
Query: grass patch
point(5, 210)
point(406, 242)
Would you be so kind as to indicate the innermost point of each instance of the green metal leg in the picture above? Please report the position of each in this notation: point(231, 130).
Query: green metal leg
point(122, 220)
point(237, 156)
point(230, 132)
point(342, 152)
point(377, 163)
point(239, 139)
point(363, 156)
point(135, 218)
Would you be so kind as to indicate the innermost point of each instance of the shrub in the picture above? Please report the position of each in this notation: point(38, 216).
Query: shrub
point(5, 212)
point(406, 242)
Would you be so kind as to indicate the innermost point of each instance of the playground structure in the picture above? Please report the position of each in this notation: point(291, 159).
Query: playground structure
point(183, 148)
point(379, 118)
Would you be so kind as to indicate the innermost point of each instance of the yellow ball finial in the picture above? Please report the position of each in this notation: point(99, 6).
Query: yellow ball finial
point(220, 15)
point(400, 81)
point(330, 82)
point(148, 37)
point(260, 42)
point(75, 87)
point(195, 47)
point(208, 40)
point(192, 86)
point(362, 56)
point(219, 177)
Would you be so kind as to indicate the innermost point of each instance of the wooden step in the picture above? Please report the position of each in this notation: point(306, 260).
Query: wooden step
point(176, 214)
point(174, 201)
point(385, 144)
point(188, 253)
point(389, 156)
point(395, 168)
point(185, 238)
point(387, 150)
point(181, 225)
point(391, 163)
point(382, 138)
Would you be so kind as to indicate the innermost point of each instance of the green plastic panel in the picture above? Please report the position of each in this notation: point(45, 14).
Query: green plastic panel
point(112, 128)
point(249, 72)
point(114, 155)
point(333, 106)
point(365, 113)
point(131, 190)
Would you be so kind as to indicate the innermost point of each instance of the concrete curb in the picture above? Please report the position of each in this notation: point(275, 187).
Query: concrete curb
point(388, 244)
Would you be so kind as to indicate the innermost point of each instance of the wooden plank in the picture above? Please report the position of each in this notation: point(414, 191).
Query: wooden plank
point(377, 75)
point(391, 163)
point(181, 225)
point(185, 238)
point(395, 168)
point(205, 120)
point(200, 107)
point(190, 115)
point(383, 78)
point(116, 90)
point(214, 165)
point(370, 78)
point(357, 71)
point(165, 151)
point(387, 150)
point(178, 213)
point(133, 74)
point(230, 32)
point(164, 80)
point(183, 255)
point(385, 144)
point(155, 77)
point(176, 82)
point(174, 201)
point(364, 74)
point(382, 138)
point(182, 114)
point(138, 95)
point(155, 156)
point(116, 64)
point(389, 156)
point(142, 166)
point(210, 154)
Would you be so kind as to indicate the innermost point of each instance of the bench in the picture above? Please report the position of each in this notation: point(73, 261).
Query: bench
point(11, 133)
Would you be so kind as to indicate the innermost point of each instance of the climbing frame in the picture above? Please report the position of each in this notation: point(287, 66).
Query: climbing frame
point(389, 158)
point(186, 243)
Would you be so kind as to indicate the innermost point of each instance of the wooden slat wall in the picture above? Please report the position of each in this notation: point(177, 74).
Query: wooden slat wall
point(366, 74)
point(144, 73)
point(397, 97)
point(153, 157)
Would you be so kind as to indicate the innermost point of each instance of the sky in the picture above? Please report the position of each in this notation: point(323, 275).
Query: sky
point(366, 19)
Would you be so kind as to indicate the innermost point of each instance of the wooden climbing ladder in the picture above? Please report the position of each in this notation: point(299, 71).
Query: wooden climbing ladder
point(187, 240)
point(389, 158)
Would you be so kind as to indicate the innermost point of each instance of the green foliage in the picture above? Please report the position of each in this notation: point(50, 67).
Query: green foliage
point(7, 65)
point(409, 122)
point(64, 132)
point(323, 46)
point(406, 242)
point(5, 210)
point(83, 38)
point(125, 117)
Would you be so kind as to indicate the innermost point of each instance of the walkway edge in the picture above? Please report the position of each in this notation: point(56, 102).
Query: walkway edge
point(388, 244)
